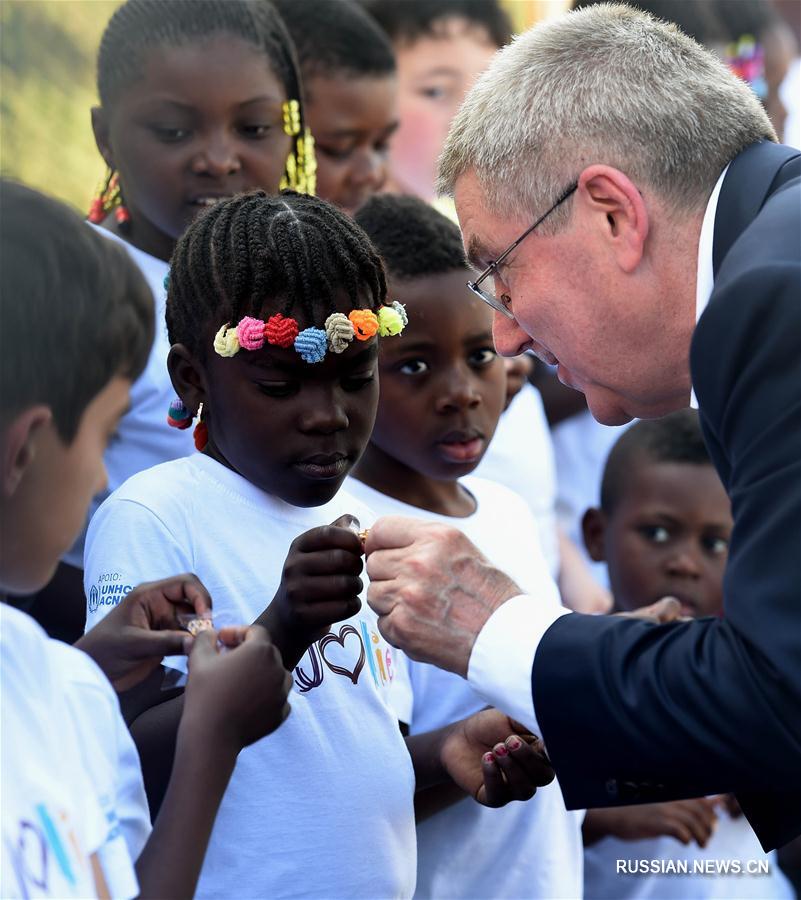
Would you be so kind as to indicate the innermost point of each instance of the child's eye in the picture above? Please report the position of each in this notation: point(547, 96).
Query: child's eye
point(256, 132)
point(169, 135)
point(277, 388)
point(413, 367)
point(334, 152)
point(434, 92)
point(716, 545)
point(656, 533)
point(357, 382)
point(483, 357)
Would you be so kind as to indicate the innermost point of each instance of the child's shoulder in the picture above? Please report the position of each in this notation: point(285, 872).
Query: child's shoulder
point(163, 486)
point(491, 496)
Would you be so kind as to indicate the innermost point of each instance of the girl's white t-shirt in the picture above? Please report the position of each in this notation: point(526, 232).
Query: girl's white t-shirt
point(733, 844)
point(520, 456)
point(532, 849)
point(143, 438)
point(71, 783)
point(323, 807)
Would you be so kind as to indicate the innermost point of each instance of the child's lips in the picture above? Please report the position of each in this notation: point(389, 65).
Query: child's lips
point(462, 448)
point(323, 466)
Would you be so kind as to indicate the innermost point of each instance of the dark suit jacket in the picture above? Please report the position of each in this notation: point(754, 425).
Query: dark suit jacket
point(633, 712)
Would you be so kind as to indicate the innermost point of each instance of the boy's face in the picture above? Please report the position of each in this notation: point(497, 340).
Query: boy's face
point(292, 428)
point(668, 535)
point(434, 74)
point(203, 121)
point(48, 485)
point(352, 121)
point(442, 385)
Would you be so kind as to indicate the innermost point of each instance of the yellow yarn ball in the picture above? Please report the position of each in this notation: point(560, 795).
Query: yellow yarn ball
point(389, 321)
point(226, 343)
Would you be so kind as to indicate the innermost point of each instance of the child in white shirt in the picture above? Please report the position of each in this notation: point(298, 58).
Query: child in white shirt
point(77, 326)
point(663, 529)
point(442, 393)
point(273, 309)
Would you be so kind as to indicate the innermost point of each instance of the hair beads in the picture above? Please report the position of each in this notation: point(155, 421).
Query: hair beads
point(365, 323)
point(339, 331)
point(250, 333)
point(281, 331)
point(311, 343)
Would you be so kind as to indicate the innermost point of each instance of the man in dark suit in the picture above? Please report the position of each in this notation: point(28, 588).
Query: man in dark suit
point(641, 230)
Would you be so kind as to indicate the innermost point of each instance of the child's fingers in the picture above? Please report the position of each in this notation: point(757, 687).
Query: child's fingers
point(232, 635)
point(520, 784)
point(204, 647)
point(531, 758)
point(332, 562)
point(493, 792)
point(187, 588)
point(328, 537)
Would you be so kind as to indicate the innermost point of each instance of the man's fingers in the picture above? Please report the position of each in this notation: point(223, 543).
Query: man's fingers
point(391, 532)
point(385, 565)
point(493, 792)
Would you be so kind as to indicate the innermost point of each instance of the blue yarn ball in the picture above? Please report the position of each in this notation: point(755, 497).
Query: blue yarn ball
point(311, 343)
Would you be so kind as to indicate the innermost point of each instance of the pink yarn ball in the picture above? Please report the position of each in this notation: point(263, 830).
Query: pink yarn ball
point(250, 333)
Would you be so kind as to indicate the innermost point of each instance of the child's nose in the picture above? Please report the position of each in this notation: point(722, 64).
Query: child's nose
point(369, 167)
point(685, 562)
point(324, 419)
point(458, 392)
point(217, 157)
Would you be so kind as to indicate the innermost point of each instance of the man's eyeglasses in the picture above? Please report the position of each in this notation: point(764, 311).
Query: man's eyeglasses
point(491, 299)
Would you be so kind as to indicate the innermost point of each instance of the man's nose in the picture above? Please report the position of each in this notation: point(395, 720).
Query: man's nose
point(510, 339)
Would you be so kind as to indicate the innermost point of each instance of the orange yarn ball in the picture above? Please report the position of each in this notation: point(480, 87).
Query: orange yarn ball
point(365, 323)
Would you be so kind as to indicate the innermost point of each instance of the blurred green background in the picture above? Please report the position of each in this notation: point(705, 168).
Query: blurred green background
point(47, 87)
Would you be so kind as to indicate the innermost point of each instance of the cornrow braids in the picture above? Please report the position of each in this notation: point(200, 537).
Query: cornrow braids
point(414, 240)
point(137, 26)
point(291, 253)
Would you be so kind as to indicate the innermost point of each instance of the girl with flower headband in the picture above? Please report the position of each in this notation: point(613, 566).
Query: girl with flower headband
point(198, 101)
point(275, 309)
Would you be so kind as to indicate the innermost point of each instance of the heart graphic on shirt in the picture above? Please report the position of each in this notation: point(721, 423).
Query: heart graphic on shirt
point(340, 654)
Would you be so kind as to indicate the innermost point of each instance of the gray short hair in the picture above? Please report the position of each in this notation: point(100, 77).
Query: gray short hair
point(606, 84)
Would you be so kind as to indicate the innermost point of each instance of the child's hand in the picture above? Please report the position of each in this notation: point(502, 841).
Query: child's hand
point(495, 760)
point(687, 821)
point(320, 585)
point(238, 696)
point(130, 642)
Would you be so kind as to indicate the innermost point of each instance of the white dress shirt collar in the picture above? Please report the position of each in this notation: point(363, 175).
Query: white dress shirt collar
point(705, 278)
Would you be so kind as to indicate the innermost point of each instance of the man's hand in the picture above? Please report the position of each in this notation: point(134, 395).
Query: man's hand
point(237, 695)
point(320, 585)
point(432, 589)
point(494, 759)
point(130, 642)
point(687, 821)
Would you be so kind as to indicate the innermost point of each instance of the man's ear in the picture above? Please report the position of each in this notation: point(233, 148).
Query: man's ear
point(19, 443)
point(619, 210)
point(102, 133)
point(187, 377)
point(593, 528)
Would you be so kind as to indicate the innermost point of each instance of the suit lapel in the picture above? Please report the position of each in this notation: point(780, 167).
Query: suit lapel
point(745, 188)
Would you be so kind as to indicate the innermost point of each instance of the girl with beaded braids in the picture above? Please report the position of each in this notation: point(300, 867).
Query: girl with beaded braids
point(275, 308)
point(198, 101)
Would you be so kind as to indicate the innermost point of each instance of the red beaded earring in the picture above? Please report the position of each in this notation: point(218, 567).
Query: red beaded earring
point(201, 432)
point(108, 199)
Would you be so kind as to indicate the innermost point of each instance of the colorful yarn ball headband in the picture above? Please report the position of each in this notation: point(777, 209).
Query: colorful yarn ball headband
point(312, 344)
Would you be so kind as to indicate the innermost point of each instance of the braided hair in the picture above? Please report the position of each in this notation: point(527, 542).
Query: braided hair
point(414, 240)
point(292, 251)
point(137, 26)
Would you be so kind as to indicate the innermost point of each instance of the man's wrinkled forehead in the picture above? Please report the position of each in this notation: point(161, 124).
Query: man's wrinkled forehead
point(474, 219)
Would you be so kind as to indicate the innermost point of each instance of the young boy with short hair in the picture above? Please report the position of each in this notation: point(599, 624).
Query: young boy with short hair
point(351, 95)
point(77, 324)
point(663, 530)
point(441, 47)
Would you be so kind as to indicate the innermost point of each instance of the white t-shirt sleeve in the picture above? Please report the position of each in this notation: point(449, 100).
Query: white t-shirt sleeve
point(503, 656)
point(126, 544)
